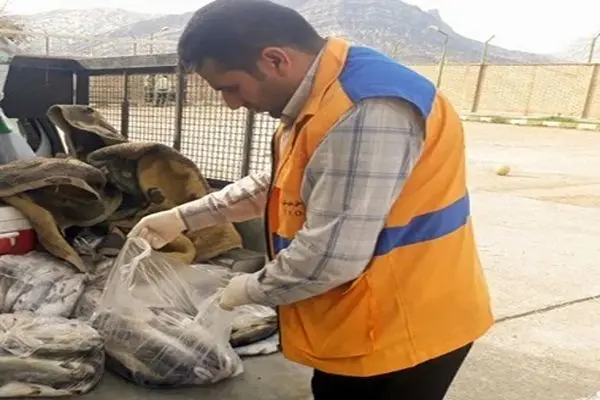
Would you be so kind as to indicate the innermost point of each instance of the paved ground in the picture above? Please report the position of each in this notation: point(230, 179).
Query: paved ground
point(538, 237)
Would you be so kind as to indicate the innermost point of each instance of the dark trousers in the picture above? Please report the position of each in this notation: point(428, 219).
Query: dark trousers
point(427, 381)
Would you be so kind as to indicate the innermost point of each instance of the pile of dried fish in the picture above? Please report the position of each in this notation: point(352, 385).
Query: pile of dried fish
point(48, 356)
point(156, 331)
point(40, 283)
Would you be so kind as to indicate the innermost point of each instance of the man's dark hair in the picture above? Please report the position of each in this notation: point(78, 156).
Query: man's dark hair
point(234, 32)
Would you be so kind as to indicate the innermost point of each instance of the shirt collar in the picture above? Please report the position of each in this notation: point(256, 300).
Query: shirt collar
point(301, 95)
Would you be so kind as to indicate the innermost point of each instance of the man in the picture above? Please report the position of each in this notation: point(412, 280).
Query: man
point(162, 90)
point(372, 262)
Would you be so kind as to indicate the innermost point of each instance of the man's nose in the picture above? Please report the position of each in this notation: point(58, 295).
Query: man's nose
point(233, 101)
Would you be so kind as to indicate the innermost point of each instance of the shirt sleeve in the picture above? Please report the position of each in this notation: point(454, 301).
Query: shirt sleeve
point(349, 186)
point(239, 201)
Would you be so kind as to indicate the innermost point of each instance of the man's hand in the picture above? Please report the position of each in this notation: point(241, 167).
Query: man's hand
point(160, 228)
point(235, 293)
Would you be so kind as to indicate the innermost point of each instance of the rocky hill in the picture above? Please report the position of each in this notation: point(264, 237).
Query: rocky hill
point(391, 25)
point(66, 28)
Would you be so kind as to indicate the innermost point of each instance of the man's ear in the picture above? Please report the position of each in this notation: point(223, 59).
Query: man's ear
point(276, 60)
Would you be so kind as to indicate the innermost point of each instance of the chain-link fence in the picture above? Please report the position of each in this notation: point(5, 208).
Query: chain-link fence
point(228, 144)
point(225, 144)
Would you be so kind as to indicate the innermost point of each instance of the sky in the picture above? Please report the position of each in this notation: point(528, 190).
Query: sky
point(529, 25)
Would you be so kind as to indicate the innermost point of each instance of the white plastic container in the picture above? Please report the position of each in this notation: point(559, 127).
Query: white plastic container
point(13, 145)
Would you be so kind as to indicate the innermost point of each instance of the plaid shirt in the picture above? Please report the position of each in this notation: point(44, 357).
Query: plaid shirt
point(349, 186)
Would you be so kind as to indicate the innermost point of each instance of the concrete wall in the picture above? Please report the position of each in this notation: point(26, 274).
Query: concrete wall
point(523, 90)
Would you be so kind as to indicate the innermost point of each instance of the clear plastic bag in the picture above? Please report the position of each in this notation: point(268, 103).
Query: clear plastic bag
point(88, 301)
point(251, 323)
point(40, 283)
point(158, 331)
point(44, 356)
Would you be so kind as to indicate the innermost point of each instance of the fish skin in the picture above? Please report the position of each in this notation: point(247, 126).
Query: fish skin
point(26, 390)
point(251, 324)
point(17, 289)
point(6, 282)
point(267, 346)
point(244, 335)
point(30, 299)
point(13, 368)
point(87, 303)
point(62, 297)
point(41, 283)
point(46, 335)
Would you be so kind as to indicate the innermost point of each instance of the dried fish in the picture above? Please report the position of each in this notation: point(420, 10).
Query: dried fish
point(44, 356)
point(40, 283)
point(6, 282)
point(265, 347)
point(17, 289)
point(87, 242)
point(252, 324)
point(87, 303)
point(62, 297)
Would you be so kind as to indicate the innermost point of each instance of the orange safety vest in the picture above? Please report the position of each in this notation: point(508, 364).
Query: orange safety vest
point(424, 293)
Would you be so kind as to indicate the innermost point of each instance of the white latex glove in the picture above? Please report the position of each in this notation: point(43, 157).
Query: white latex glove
point(159, 228)
point(235, 293)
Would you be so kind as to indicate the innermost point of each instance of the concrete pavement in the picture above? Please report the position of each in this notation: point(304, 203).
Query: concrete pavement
point(540, 357)
point(552, 354)
point(540, 253)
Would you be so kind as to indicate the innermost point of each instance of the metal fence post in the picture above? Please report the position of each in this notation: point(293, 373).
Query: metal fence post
point(248, 135)
point(125, 106)
point(531, 89)
point(180, 87)
point(478, 88)
point(82, 88)
point(591, 91)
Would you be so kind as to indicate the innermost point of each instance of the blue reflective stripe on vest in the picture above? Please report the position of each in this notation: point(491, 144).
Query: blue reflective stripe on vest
point(368, 73)
point(421, 229)
point(280, 243)
point(425, 227)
